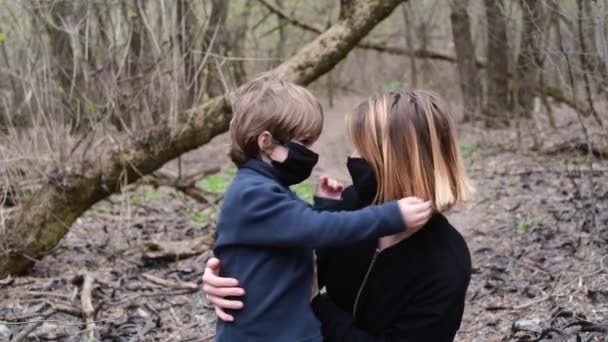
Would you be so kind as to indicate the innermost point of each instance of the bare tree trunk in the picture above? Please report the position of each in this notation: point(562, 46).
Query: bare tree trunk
point(409, 43)
point(60, 41)
point(497, 99)
point(593, 61)
point(34, 229)
point(139, 41)
point(468, 73)
point(133, 13)
point(422, 34)
point(585, 61)
point(239, 73)
point(529, 61)
point(281, 43)
point(188, 27)
point(55, 18)
point(600, 8)
point(215, 41)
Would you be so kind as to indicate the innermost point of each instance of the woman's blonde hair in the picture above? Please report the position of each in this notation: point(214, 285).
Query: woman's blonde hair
point(288, 111)
point(409, 139)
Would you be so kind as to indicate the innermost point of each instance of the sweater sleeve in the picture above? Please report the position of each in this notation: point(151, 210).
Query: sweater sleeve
point(274, 218)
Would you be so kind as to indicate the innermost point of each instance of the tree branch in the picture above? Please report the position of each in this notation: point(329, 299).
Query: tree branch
point(555, 93)
point(295, 22)
point(375, 46)
point(38, 225)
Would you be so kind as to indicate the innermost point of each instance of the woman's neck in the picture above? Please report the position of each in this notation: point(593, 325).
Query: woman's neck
point(391, 240)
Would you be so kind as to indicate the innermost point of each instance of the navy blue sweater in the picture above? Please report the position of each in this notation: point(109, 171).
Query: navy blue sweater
point(266, 235)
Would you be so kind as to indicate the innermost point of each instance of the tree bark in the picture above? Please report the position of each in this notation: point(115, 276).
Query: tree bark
point(282, 37)
point(585, 61)
point(347, 8)
point(375, 46)
point(593, 61)
point(214, 40)
point(55, 17)
point(60, 41)
point(138, 48)
point(468, 73)
point(188, 27)
point(409, 43)
point(237, 42)
point(529, 61)
point(35, 228)
point(497, 73)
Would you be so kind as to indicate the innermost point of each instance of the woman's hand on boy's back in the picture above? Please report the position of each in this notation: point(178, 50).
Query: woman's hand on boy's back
point(415, 212)
point(216, 290)
point(329, 188)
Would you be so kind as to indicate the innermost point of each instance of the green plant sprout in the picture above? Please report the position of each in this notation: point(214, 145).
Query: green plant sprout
point(97, 210)
point(217, 183)
point(468, 149)
point(304, 190)
point(199, 219)
point(528, 225)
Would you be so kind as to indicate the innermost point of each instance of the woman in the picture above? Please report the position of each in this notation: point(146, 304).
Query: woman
point(393, 288)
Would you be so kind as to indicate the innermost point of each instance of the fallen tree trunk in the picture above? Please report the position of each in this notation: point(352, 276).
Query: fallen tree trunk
point(34, 229)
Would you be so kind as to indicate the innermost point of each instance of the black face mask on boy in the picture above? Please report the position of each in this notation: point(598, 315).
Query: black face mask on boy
point(364, 179)
point(298, 165)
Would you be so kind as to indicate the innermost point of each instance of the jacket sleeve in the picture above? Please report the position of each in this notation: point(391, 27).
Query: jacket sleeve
point(323, 256)
point(274, 218)
point(437, 321)
point(347, 203)
point(337, 325)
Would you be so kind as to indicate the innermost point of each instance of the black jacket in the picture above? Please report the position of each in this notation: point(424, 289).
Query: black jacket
point(412, 291)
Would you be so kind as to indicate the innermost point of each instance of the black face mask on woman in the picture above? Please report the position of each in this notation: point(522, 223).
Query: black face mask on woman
point(364, 179)
point(298, 165)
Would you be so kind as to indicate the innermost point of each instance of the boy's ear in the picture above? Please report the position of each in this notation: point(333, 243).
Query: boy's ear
point(265, 141)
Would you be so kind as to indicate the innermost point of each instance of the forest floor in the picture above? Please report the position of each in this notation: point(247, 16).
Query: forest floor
point(537, 230)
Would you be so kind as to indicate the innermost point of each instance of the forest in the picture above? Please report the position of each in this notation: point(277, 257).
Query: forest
point(114, 152)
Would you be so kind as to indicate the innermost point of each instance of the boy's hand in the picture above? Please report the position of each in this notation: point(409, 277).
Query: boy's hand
point(217, 288)
point(329, 188)
point(415, 213)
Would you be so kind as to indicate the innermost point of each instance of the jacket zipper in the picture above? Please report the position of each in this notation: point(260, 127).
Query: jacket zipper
point(369, 270)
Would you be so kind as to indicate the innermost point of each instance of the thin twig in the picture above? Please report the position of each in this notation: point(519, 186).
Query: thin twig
point(27, 330)
point(562, 288)
point(65, 323)
point(170, 283)
point(87, 304)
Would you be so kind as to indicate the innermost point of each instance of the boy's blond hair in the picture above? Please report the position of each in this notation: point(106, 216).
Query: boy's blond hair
point(288, 111)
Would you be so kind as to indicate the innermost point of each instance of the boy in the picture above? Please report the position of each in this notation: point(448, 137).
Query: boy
point(266, 234)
